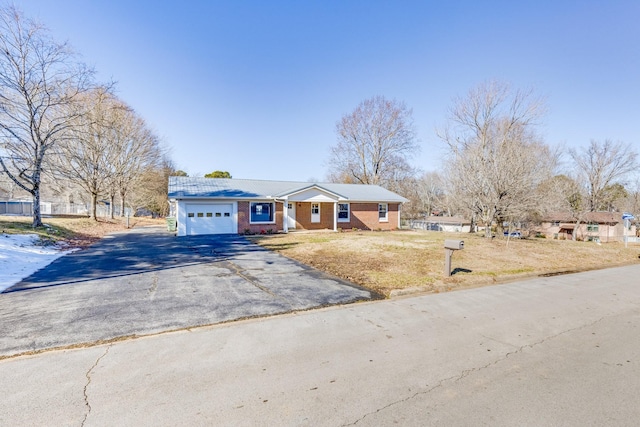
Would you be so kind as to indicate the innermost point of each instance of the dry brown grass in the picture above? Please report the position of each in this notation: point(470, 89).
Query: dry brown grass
point(386, 261)
point(75, 232)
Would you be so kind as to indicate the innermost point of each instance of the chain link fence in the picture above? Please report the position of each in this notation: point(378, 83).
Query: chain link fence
point(25, 208)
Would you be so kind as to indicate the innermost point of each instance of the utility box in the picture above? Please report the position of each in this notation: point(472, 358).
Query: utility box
point(455, 245)
point(171, 224)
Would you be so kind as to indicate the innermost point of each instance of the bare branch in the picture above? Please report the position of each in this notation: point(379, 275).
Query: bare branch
point(495, 159)
point(375, 143)
point(39, 79)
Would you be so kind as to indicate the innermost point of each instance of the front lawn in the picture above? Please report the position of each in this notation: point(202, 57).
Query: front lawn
point(386, 261)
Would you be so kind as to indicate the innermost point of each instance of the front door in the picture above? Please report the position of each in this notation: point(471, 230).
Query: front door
point(315, 212)
point(291, 215)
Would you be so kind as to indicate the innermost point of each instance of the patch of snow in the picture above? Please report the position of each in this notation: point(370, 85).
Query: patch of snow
point(21, 256)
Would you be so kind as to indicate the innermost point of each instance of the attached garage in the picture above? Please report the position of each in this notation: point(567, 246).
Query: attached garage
point(208, 218)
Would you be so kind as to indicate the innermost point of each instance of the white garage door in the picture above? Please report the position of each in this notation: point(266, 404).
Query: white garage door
point(210, 218)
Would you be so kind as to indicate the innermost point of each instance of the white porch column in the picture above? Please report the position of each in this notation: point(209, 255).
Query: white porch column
point(285, 215)
point(335, 216)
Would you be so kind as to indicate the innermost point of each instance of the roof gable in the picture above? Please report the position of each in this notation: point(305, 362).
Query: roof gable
point(312, 193)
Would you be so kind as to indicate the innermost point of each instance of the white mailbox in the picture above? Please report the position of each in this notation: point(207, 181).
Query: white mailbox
point(450, 246)
point(455, 245)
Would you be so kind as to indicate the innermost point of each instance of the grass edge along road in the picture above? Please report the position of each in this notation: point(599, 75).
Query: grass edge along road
point(401, 260)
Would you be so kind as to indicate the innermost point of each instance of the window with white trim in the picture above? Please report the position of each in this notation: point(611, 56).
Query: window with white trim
point(343, 212)
point(262, 212)
point(382, 212)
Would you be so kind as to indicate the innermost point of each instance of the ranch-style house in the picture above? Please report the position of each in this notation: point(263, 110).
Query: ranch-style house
point(238, 206)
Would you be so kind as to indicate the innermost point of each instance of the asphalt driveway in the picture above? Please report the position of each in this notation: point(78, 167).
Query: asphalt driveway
point(147, 281)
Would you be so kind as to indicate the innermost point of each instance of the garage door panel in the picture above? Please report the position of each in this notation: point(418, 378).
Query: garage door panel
point(210, 218)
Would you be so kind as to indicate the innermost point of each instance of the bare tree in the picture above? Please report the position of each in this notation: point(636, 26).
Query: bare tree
point(84, 156)
point(108, 150)
point(601, 165)
point(425, 194)
point(375, 143)
point(153, 195)
point(135, 150)
point(495, 160)
point(39, 80)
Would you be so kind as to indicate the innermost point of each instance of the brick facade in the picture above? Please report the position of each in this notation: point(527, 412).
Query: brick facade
point(303, 216)
point(363, 216)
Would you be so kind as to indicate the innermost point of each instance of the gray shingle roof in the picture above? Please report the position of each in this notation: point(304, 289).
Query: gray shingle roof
point(186, 187)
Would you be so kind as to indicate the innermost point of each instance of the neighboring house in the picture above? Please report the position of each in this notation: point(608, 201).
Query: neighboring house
point(237, 206)
point(596, 226)
point(442, 223)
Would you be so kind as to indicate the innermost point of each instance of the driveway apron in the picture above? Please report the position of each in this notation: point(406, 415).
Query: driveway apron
point(147, 281)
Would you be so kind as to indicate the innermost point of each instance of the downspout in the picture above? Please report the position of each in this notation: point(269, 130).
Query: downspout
point(335, 216)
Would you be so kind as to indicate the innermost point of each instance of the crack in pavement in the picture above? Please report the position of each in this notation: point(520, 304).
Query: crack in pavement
point(84, 391)
point(154, 285)
point(465, 373)
point(239, 271)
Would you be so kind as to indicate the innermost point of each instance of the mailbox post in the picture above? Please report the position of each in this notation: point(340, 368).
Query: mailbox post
point(449, 247)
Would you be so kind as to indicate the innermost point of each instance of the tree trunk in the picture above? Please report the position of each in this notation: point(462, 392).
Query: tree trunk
point(488, 223)
point(112, 200)
point(94, 207)
point(499, 227)
point(123, 193)
point(37, 216)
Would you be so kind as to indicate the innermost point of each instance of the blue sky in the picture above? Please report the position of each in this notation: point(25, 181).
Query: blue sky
point(256, 87)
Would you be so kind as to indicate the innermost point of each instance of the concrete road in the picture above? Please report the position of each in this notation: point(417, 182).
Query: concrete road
point(147, 281)
point(558, 351)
